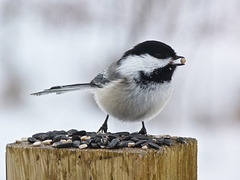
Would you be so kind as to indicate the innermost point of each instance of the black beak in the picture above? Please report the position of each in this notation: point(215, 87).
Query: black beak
point(179, 63)
point(177, 57)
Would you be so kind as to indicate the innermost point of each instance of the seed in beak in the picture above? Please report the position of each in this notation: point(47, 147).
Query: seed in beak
point(183, 60)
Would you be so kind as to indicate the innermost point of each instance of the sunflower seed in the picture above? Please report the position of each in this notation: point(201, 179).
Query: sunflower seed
point(153, 145)
point(24, 139)
point(113, 143)
point(47, 142)
point(84, 138)
point(37, 143)
point(139, 143)
point(83, 146)
point(131, 144)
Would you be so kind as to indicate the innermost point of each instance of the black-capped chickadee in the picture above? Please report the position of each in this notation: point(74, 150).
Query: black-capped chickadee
point(134, 88)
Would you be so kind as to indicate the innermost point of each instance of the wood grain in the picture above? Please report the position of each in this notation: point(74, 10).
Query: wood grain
point(176, 162)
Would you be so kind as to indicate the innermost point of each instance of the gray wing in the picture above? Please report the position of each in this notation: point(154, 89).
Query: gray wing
point(105, 77)
point(65, 88)
point(100, 80)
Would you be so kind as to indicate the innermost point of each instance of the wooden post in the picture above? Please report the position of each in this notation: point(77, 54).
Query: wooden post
point(176, 162)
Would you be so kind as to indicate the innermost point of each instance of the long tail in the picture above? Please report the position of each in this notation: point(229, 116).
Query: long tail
point(65, 88)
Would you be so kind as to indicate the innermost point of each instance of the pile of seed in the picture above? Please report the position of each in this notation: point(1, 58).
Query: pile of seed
point(82, 139)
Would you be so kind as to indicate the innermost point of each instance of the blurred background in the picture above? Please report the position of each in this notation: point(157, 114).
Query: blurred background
point(56, 42)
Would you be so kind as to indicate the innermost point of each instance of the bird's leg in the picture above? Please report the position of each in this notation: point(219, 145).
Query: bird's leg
point(143, 130)
point(104, 126)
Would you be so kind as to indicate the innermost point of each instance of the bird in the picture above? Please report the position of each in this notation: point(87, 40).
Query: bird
point(134, 88)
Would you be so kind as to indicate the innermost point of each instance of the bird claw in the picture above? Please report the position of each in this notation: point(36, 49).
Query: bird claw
point(143, 131)
point(104, 127)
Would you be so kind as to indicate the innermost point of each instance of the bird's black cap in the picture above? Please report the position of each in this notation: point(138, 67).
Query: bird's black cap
point(154, 48)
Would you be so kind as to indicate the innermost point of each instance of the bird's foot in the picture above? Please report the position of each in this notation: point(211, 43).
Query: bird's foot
point(104, 126)
point(143, 130)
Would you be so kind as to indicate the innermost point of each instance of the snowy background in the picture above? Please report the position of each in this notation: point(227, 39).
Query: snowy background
point(54, 42)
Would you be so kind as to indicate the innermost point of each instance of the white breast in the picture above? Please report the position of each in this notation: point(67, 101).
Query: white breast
point(132, 103)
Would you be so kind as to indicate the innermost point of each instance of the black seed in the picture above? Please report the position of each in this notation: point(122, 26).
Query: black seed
point(62, 132)
point(150, 140)
point(80, 133)
point(134, 134)
point(92, 134)
point(181, 140)
point(76, 137)
point(65, 137)
point(98, 139)
point(127, 138)
point(144, 144)
point(32, 139)
point(87, 141)
point(104, 141)
point(99, 144)
point(108, 140)
point(122, 144)
point(153, 145)
point(113, 143)
point(59, 137)
point(139, 143)
point(94, 145)
point(38, 135)
point(44, 137)
point(51, 134)
point(65, 145)
point(159, 141)
point(122, 134)
point(112, 136)
point(92, 140)
point(139, 136)
point(76, 144)
point(134, 139)
point(71, 132)
point(167, 142)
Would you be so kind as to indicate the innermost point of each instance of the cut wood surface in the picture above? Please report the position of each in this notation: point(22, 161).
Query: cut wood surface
point(175, 162)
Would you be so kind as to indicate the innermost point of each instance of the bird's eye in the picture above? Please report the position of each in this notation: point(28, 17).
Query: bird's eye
point(158, 56)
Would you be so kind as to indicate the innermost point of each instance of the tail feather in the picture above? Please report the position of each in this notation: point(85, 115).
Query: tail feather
point(64, 88)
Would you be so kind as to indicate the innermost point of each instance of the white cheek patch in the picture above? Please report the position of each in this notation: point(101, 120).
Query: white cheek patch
point(131, 65)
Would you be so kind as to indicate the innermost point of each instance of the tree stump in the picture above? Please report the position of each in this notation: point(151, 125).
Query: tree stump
point(175, 162)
